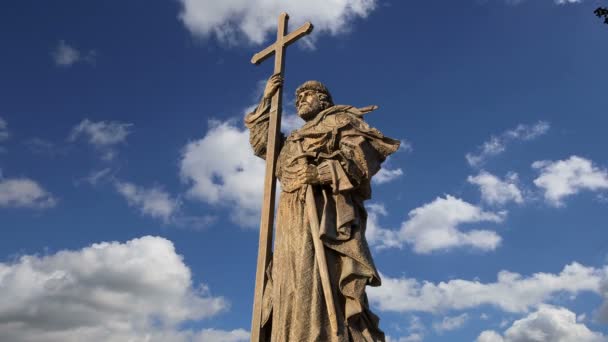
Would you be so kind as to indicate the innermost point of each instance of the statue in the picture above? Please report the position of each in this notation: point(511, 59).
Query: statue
point(314, 287)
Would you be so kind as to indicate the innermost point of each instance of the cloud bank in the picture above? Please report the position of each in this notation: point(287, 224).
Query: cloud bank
point(255, 20)
point(139, 290)
point(511, 292)
point(221, 170)
point(435, 226)
point(548, 323)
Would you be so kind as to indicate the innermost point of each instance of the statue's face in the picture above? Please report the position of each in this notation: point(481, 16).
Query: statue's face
point(308, 104)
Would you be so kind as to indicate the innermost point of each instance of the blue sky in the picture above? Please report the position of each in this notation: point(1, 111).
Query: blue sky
point(129, 196)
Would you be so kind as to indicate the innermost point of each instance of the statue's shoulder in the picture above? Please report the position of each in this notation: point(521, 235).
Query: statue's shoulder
point(333, 119)
point(340, 116)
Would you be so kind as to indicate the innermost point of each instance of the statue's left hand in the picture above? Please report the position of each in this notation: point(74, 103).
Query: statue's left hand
point(308, 174)
point(272, 85)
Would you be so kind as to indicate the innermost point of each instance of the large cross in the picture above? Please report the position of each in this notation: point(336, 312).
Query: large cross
point(272, 150)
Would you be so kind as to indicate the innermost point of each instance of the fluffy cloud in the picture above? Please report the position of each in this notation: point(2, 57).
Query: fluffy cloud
point(154, 202)
point(416, 331)
point(214, 335)
point(548, 323)
point(222, 170)
point(435, 226)
point(451, 323)
point(489, 336)
point(103, 135)
point(512, 292)
point(415, 337)
point(496, 191)
point(24, 193)
point(386, 175)
point(563, 178)
point(602, 313)
point(498, 144)
point(254, 20)
point(376, 235)
point(140, 290)
point(289, 122)
point(65, 55)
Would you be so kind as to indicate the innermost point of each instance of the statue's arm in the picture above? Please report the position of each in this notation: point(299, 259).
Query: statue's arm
point(257, 123)
point(350, 168)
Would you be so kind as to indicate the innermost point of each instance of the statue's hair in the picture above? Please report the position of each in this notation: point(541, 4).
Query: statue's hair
point(321, 89)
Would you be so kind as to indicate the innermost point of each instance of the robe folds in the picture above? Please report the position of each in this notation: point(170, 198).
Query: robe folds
point(347, 153)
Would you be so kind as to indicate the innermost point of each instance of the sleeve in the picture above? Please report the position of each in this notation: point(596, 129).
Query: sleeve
point(257, 123)
point(352, 167)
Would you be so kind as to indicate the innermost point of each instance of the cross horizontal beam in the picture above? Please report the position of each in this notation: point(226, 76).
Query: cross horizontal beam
point(285, 41)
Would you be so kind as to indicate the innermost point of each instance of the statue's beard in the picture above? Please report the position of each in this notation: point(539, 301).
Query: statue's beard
point(309, 111)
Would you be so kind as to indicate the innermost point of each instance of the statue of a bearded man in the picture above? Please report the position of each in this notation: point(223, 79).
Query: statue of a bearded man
point(342, 153)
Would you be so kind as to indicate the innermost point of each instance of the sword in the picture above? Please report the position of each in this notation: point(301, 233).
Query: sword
point(311, 210)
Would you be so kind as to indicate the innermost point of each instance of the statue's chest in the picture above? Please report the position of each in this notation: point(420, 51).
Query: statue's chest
point(306, 147)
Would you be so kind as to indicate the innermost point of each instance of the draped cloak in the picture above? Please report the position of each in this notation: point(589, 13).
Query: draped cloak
point(347, 152)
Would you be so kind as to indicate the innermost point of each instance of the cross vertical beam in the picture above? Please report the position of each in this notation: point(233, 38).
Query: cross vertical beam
point(272, 150)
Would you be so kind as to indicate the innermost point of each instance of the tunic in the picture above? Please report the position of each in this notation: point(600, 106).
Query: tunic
point(347, 152)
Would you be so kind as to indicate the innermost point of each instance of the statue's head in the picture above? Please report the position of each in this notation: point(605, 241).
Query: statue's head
point(311, 98)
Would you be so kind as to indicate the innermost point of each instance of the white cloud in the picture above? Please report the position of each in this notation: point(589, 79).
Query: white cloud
point(435, 226)
point(376, 235)
point(103, 135)
point(416, 331)
point(498, 144)
point(214, 335)
point(602, 313)
point(511, 292)
point(139, 290)
point(154, 202)
point(496, 191)
point(24, 193)
point(65, 55)
point(386, 175)
point(290, 122)
point(222, 170)
point(548, 323)
point(489, 336)
point(406, 146)
point(568, 177)
point(451, 323)
point(3, 130)
point(255, 20)
point(415, 337)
